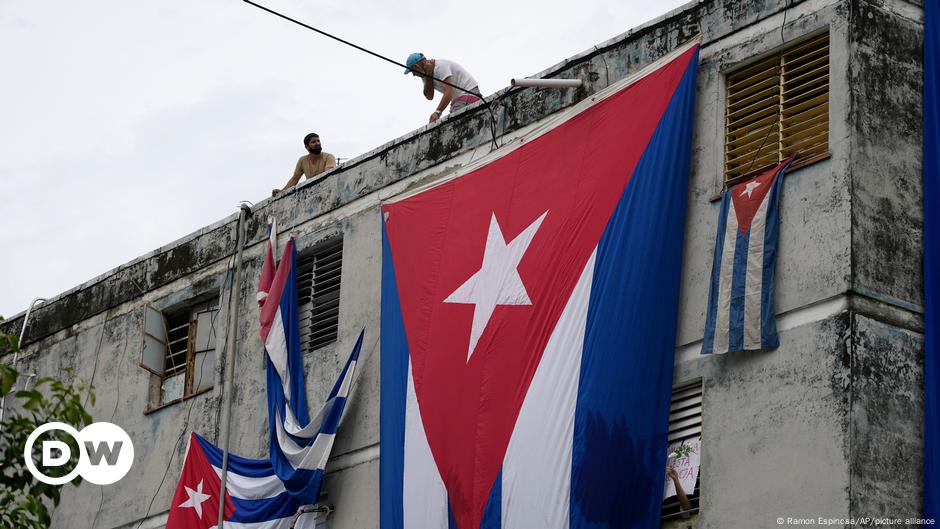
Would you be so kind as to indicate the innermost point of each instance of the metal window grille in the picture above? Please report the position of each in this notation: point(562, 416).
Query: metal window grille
point(190, 335)
point(318, 281)
point(777, 107)
point(177, 330)
point(685, 422)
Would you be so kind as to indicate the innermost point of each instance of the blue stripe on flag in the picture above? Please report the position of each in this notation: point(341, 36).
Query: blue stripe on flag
point(493, 512)
point(931, 169)
point(253, 468)
point(711, 314)
point(394, 376)
point(768, 325)
point(451, 521)
point(291, 320)
point(263, 510)
point(619, 456)
point(738, 284)
point(331, 421)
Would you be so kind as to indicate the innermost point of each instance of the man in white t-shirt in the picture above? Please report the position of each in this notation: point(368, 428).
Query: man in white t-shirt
point(467, 91)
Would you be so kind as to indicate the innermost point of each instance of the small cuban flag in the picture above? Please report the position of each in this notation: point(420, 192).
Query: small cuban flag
point(740, 313)
point(255, 498)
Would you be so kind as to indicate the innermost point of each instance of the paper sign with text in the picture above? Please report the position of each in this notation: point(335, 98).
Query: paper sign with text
point(684, 456)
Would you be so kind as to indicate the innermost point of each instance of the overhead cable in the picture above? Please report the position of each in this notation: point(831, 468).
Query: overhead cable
point(386, 59)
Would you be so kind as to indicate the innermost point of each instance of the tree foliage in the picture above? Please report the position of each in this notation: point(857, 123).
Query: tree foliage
point(24, 500)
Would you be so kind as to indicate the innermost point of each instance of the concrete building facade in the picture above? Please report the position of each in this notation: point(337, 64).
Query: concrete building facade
point(827, 425)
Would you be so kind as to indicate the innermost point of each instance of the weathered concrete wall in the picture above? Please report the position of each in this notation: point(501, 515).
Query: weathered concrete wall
point(793, 432)
point(887, 406)
point(886, 86)
point(775, 429)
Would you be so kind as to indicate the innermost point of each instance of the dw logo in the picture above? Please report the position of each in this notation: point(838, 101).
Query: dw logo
point(105, 453)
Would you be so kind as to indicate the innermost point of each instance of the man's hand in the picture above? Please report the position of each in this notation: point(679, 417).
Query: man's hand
point(435, 116)
point(275, 191)
point(671, 472)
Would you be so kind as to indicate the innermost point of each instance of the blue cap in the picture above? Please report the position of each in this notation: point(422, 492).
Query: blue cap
point(412, 60)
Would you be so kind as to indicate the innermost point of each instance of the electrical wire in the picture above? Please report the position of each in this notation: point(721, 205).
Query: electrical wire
point(776, 122)
point(386, 59)
point(117, 400)
point(360, 48)
point(230, 278)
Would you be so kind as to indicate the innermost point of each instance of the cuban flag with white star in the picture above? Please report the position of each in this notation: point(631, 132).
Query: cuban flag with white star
point(740, 312)
point(529, 309)
point(300, 444)
point(255, 497)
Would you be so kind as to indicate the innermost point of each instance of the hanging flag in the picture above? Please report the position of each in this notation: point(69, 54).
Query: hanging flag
point(740, 313)
point(931, 150)
point(300, 446)
point(255, 497)
point(529, 318)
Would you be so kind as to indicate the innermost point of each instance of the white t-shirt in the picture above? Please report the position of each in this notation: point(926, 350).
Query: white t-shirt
point(461, 77)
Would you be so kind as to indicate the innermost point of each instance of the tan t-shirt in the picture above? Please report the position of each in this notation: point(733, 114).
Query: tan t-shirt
point(311, 165)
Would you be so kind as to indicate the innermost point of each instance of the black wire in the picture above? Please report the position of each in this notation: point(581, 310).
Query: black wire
point(776, 122)
point(111, 418)
point(386, 59)
point(360, 48)
point(228, 274)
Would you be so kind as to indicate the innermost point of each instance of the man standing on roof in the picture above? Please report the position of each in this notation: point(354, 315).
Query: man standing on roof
point(310, 165)
point(430, 70)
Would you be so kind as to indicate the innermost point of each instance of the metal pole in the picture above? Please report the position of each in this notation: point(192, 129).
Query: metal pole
point(546, 83)
point(230, 352)
point(16, 353)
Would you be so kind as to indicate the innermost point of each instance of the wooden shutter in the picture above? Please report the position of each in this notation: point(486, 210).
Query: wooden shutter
point(776, 107)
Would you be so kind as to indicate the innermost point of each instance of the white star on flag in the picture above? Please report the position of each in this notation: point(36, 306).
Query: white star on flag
point(749, 188)
point(497, 282)
point(196, 497)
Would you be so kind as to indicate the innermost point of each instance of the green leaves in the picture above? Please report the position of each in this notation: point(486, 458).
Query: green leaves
point(8, 377)
point(24, 501)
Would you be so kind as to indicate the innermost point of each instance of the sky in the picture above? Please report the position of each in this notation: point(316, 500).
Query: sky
point(125, 125)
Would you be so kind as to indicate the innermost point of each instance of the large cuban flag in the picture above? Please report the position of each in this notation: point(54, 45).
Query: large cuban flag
point(740, 313)
point(255, 497)
point(300, 445)
point(529, 316)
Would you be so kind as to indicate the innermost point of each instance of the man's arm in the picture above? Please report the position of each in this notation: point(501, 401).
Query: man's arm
point(448, 96)
point(684, 503)
point(330, 162)
point(294, 179)
point(428, 88)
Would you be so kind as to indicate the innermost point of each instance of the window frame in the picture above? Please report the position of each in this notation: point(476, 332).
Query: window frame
point(192, 311)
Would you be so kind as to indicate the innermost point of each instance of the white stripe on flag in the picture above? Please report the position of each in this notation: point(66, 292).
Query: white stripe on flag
point(311, 457)
point(754, 281)
point(537, 468)
point(424, 498)
point(347, 381)
point(724, 281)
point(251, 488)
point(292, 425)
point(280, 523)
point(276, 346)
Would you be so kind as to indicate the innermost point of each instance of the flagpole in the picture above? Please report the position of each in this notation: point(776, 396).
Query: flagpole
point(230, 350)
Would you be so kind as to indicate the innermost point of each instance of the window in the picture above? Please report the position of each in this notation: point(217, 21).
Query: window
point(777, 107)
point(179, 350)
point(685, 426)
point(318, 281)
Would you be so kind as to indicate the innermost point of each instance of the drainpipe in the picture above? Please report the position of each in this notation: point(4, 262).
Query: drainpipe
point(230, 349)
point(16, 353)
